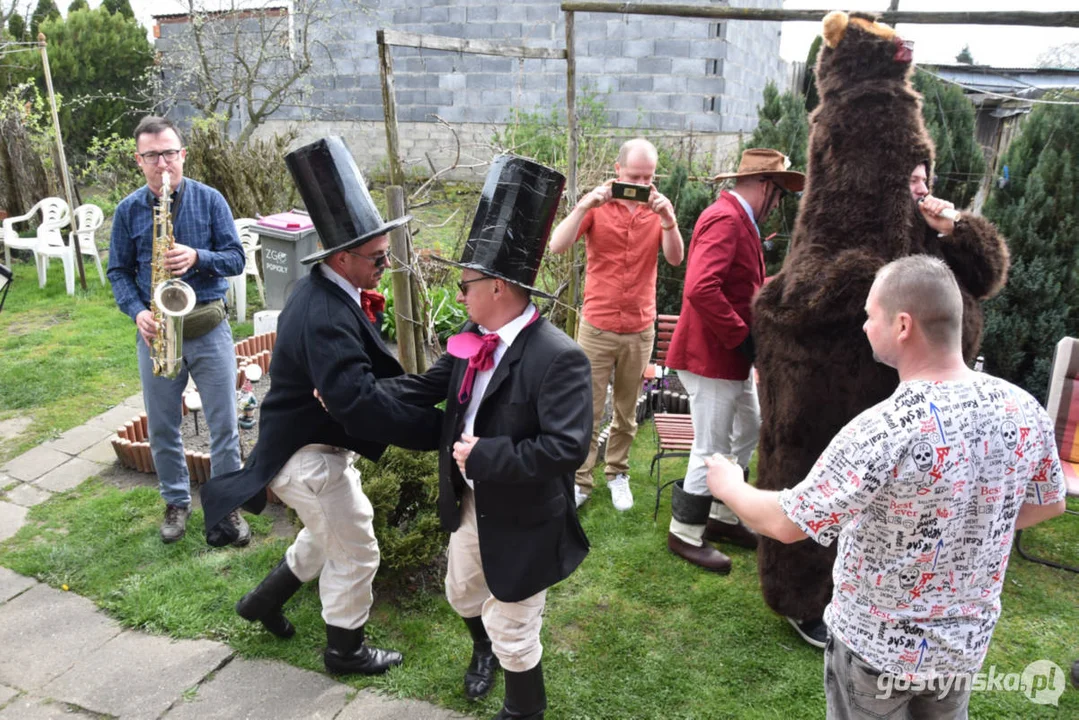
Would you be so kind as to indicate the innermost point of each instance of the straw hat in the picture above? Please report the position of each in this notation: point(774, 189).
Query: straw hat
point(762, 161)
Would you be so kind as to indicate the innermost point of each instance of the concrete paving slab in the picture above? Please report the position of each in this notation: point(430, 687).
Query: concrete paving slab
point(27, 495)
point(101, 451)
point(77, 439)
point(44, 632)
point(35, 708)
point(69, 475)
point(369, 705)
point(12, 583)
point(6, 481)
point(259, 689)
point(114, 418)
point(32, 464)
point(12, 517)
point(6, 693)
point(135, 401)
point(135, 675)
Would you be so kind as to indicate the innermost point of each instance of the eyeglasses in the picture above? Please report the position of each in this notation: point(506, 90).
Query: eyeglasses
point(462, 285)
point(380, 261)
point(152, 156)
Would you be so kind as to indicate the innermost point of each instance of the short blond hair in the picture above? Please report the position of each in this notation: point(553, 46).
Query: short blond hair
point(925, 288)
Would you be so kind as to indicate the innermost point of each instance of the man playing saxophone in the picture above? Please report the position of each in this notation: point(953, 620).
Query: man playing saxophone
point(206, 250)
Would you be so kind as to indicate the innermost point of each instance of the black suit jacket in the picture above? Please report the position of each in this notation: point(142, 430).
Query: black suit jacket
point(324, 341)
point(534, 425)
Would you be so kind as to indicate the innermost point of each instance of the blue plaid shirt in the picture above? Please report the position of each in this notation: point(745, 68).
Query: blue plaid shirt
point(203, 221)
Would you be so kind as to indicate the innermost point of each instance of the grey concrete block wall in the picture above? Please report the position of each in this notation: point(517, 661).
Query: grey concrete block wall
point(652, 72)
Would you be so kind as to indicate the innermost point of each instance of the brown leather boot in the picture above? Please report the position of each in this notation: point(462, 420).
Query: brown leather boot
point(691, 511)
point(737, 534)
point(704, 556)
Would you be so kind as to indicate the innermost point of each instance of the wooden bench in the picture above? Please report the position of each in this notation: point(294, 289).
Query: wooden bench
point(674, 431)
point(1063, 408)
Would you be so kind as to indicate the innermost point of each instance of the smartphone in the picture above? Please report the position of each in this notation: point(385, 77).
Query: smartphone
point(629, 191)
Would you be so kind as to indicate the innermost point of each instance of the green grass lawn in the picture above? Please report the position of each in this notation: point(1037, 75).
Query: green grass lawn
point(634, 633)
point(66, 358)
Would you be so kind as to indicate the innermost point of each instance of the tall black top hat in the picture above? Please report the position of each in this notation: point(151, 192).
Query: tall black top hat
point(336, 197)
point(513, 220)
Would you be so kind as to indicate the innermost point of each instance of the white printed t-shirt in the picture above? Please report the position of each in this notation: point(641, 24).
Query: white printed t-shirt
point(923, 491)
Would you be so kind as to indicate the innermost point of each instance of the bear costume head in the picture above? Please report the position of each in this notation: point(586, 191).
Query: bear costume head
point(856, 47)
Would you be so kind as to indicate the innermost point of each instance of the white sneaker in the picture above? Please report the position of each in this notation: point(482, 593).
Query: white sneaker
point(621, 497)
point(579, 497)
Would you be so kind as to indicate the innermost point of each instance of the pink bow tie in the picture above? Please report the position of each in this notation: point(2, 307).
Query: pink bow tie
point(479, 350)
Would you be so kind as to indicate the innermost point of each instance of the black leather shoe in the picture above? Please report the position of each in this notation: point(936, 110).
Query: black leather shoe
point(737, 534)
point(526, 696)
point(704, 556)
point(480, 675)
point(264, 603)
point(347, 653)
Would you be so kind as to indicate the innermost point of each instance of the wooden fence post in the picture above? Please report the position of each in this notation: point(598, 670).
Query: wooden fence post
point(402, 285)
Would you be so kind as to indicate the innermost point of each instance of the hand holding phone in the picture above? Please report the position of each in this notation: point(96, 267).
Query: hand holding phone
point(630, 191)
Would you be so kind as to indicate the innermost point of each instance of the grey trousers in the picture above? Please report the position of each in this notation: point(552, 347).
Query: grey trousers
point(855, 689)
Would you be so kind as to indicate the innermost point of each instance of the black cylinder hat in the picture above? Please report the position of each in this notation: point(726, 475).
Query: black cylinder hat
point(513, 220)
point(336, 197)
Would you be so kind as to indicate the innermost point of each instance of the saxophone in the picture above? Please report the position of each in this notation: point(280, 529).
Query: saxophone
point(172, 297)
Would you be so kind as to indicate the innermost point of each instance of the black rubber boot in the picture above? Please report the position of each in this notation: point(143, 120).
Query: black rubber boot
point(347, 653)
point(264, 603)
point(480, 675)
point(526, 697)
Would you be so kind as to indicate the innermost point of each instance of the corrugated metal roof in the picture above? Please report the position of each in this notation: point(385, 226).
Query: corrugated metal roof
point(990, 70)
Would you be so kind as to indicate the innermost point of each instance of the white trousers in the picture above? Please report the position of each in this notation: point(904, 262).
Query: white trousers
point(514, 628)
point(337, 543)
point(726, 420)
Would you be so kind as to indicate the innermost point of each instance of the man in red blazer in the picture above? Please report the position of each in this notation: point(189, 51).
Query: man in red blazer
point(712, 349)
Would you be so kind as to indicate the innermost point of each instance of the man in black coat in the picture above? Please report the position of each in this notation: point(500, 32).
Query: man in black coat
point(304, 454)
point(517, 426)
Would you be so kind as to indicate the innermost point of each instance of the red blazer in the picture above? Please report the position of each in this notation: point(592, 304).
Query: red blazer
point(724, 271)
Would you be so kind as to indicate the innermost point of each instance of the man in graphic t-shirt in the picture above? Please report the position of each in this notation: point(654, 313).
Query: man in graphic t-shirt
point(924, 492)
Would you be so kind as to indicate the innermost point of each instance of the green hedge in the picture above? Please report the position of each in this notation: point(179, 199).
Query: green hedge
point(403, 488)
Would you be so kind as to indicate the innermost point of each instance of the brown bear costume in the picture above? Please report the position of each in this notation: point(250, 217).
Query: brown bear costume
point(816, 368)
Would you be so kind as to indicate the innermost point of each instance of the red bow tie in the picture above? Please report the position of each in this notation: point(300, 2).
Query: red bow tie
point(372, 302)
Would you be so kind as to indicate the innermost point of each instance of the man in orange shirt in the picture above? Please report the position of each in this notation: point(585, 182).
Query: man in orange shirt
point(622, 242)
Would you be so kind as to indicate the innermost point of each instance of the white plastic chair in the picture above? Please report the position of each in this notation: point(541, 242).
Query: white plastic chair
point(88, 219)
point(51, 209)
point(238, 283)
point(50, 244)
